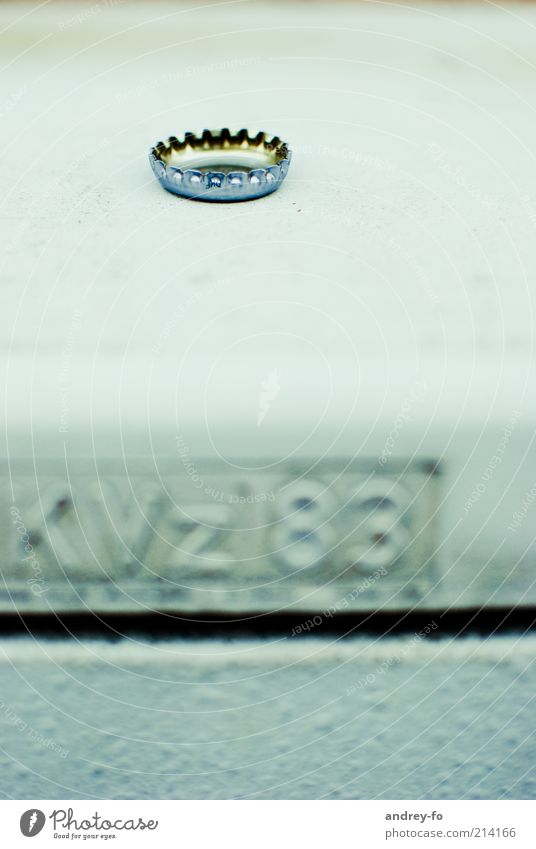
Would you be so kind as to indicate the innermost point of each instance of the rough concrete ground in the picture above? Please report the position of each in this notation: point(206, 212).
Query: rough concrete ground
point(285, 718)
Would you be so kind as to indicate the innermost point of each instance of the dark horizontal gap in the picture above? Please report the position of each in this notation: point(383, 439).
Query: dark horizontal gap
point(298, 625)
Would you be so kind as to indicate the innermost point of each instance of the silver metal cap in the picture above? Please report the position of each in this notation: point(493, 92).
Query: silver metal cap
point(218, 165)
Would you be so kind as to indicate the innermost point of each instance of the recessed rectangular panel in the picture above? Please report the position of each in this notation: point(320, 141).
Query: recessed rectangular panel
point(309, 536)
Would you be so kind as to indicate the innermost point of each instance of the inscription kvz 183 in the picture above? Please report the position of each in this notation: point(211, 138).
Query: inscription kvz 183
point(201, 540)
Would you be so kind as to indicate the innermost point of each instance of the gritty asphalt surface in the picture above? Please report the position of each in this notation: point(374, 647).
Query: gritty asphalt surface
point(292, 719)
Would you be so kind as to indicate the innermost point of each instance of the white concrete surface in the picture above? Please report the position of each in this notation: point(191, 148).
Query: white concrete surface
point(289, 719)
point(400, 251)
